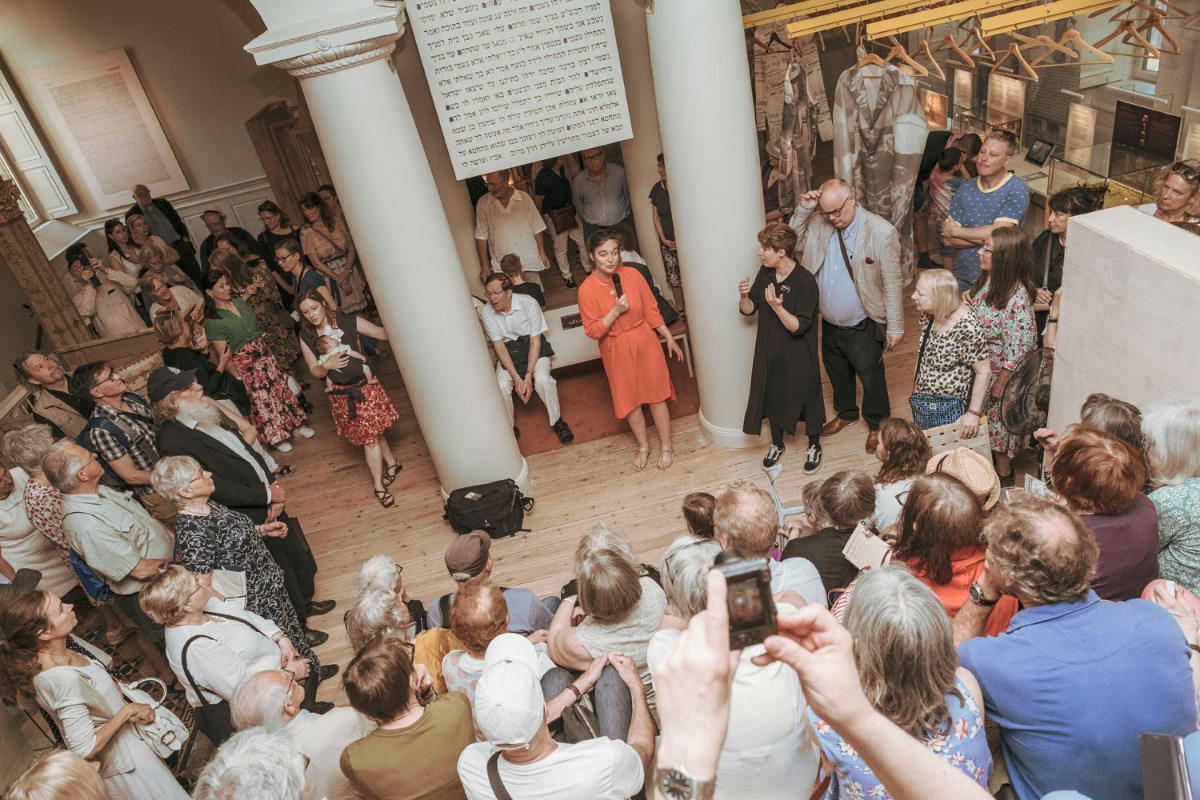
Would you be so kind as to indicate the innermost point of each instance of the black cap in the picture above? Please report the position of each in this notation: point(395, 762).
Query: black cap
point(165, 380)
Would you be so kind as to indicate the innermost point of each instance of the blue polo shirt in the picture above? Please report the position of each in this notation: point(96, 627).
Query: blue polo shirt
point(1072, 685)
point(973, 207)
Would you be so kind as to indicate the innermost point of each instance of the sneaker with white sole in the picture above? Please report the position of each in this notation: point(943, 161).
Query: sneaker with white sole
point(813, 461)
point(305, 432)
point(284, 446)
point(773, 456)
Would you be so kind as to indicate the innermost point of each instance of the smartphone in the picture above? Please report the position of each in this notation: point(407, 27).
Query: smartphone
point(1164, 768)
point(751, 607)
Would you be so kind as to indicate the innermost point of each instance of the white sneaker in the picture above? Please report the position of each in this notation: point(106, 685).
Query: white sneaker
point(304, 432)
point(284, 447)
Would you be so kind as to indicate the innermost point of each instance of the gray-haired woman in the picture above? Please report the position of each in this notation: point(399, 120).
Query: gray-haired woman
point(768, 751)
point(909, 671)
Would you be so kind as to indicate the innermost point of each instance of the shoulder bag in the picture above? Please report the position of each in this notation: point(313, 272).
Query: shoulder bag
point(563, 219)
point(167, 733)
point(214, 719)
point(931, 410)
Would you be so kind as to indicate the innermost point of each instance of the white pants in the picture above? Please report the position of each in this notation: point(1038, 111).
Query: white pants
point(543, 383)
point(560, 246)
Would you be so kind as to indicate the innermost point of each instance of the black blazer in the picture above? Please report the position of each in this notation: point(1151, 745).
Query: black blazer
point(238, 486)
point(168, 211)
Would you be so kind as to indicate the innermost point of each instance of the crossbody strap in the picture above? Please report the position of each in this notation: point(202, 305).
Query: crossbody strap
point(493, 771)
point(188, 673)
point(845, 254)
point(921, 351)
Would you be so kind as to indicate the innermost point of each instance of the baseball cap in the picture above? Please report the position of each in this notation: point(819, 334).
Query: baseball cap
point(509, 707)
point(165, 380)
point(468, 554)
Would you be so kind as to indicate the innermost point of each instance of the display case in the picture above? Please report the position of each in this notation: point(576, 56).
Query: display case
point(1130, 173)
point(982, 120)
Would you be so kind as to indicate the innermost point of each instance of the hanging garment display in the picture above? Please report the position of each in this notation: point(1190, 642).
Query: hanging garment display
point(797, 139)
point(879, 137)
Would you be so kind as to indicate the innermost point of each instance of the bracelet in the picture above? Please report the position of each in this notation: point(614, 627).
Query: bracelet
point(978, 414)
point(1195, 647)
point(1051, 319)
point(575, 690)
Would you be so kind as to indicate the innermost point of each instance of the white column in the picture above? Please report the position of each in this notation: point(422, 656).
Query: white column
point(375, 155)
point(706, 116)
point(640, 153)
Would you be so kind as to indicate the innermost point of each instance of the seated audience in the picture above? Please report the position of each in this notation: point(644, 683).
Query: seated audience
point(477, 616)
point(254, 763)
point(939, 541)
point(382, 574)
point(903, 451)
point(510, 267)
point(22, 546)
point(151, 264)
point(745, 519)
point(55, 400)
point(1173, 453)
point(698, 513)
point(847, 498)
point(58, 775)
point(1123, 420)
point(114, 535)
point(378, 614)
point(616, 610)
point(215, 647)
point(272, 699)
point(510, 712)
point(909, 672)
point(416, 727)
point(162, 297)
point(1100, 477)
point(102, 295)
point(185, 348)
point(974, 470)
point(769, 752)
point(469, 557)
point(1069, 726)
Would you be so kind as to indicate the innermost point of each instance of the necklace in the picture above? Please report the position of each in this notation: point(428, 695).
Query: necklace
point(609, 284)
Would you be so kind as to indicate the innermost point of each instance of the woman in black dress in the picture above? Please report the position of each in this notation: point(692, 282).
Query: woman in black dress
point(182, 351)
point(1049, 247)
point(785, 385)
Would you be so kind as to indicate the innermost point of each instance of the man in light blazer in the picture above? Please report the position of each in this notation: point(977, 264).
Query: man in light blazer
point(855, 257)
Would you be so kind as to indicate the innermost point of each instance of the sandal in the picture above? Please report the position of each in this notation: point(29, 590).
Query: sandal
point(389, 474)
point(385, 498)
point(286, 469)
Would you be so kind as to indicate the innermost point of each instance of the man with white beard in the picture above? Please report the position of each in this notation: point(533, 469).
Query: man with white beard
point(191, 424)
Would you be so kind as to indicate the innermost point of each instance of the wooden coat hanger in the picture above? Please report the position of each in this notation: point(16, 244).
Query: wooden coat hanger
point(1169, 10)
point(1072, 37)
point(1035, 43)
point(1021, 69)
point(900, 57)
point(976, 46)
point(1190, 22)
point(1129, 28)
point(1155, 22)
point(948, 43)
point(934, 69)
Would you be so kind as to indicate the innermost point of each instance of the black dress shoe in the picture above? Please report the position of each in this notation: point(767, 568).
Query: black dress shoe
point(318, 607)
point(322, 707)
point(570, 283)
point(316, 638)
point(327, 671)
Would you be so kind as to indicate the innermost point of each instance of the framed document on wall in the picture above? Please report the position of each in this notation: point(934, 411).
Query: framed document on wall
point(108, 132)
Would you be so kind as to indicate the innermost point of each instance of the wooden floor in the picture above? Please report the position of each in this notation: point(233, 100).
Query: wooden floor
point(574, 487)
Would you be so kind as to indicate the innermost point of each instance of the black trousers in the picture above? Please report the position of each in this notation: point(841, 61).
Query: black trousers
point(854, 352)
point(295, 558)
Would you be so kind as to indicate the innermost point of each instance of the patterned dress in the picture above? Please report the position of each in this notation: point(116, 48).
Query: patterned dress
point(362, 410)
point(1179, 532)
point(963, 744)
point(945, 363)
point(227, 538)
point(330, 248)
point(1010, 334)
point(268, 309)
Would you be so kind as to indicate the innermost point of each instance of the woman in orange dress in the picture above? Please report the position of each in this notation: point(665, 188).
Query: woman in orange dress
point(624, 323)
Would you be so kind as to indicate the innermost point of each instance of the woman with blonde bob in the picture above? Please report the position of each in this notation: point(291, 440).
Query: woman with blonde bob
point(953, 352)
point(59, 775)
point(1173, 453)
point(909, 671)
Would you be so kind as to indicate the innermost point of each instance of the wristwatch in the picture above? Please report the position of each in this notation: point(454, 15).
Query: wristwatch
point(676, 783)
point(977, 597)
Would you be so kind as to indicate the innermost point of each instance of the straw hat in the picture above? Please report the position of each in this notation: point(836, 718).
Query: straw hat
point(972, 469)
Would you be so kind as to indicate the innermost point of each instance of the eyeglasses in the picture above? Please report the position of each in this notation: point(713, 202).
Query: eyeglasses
point(1189, 174)
point(838, 211)
point(495, 294)
point(112, 376)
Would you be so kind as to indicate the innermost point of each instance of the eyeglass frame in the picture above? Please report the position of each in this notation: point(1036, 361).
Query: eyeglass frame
point(837, 212)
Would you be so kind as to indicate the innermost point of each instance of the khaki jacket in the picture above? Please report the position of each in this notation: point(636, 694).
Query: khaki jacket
point(878, 276)
point(49, 407)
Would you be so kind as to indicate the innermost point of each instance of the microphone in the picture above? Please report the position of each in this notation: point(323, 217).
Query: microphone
point(617, 285)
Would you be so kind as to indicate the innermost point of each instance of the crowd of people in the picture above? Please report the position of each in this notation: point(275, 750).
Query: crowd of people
point(995, 608)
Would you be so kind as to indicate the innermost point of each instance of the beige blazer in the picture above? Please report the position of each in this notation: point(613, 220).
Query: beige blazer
point(878, 276)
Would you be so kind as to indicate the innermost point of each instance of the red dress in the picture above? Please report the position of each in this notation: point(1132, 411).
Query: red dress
point(631, 350)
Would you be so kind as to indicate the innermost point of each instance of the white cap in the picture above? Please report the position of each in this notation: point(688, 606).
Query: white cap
point(509, 708)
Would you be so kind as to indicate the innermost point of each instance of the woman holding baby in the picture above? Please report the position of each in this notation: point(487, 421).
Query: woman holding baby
point(331, 345)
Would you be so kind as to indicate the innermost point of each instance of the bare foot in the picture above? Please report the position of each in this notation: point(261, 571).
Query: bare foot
point(643, 458)
point(666, 459)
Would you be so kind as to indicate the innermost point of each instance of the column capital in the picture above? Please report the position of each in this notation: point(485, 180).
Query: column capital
point(304, 39)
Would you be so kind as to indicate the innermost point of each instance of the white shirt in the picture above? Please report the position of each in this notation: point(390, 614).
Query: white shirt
point(234, 654)
point(800, 576)
point(887, 502)
point(510, 229)
point(524, 318)
point(598, 769)
point(183, 296)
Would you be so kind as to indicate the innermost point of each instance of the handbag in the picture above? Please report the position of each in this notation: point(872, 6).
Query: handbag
point(92, 583)
point(931, 410)
point(563, 219)
point(214, 719)
point(167, 733)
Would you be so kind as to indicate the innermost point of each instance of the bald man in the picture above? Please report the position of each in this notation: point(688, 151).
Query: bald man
point(507, 221)
point(855, 257)
point(165, 222)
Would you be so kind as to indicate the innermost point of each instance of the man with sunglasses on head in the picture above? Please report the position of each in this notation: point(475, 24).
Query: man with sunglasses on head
point(855, 257)
point(993, 199)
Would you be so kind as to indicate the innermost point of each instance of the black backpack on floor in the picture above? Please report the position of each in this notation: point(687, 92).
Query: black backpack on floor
point(498, 507)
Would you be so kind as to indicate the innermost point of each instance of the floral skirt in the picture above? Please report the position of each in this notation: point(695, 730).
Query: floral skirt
point(274, 410)
point(373, 414)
